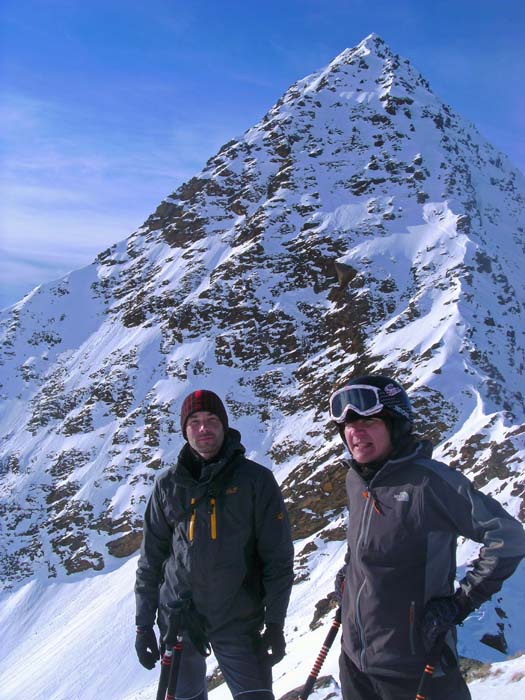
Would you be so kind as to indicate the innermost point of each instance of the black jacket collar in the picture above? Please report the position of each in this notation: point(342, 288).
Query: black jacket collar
point(189, 462)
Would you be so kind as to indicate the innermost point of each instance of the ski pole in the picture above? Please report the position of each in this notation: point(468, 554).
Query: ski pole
point(332, 633)
point(170, 663)
point(165, 668)
point(174, 669)
point(430, 667)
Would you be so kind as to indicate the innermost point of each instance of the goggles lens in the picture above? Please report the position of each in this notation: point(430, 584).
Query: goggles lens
point(360, 398)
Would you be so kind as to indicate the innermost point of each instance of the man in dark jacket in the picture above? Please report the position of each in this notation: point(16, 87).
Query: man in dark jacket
point(216, 532)
point(406, 511)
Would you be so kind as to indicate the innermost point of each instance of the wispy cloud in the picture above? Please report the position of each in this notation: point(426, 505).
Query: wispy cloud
point(42, 247)
point(22, 272)
point(66, 195)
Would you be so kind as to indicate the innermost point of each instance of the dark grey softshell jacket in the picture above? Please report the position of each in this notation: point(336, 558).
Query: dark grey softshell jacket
point(402, 534)
point(225, 539)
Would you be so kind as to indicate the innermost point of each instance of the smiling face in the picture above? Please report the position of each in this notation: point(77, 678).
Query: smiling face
point(205, 434)
point(368, 439)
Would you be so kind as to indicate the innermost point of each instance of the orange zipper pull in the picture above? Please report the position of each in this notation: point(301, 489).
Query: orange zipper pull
point(375, 504)
point(192, 521)
point(213, 519)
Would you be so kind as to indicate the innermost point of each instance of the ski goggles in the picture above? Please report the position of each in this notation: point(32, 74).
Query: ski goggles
point(359, 398)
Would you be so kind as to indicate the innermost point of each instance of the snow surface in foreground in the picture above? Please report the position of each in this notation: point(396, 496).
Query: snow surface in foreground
point(54, 627)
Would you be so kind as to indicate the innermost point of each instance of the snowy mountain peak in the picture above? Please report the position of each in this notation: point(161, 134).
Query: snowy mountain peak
point(369, 71)
point(361, 224)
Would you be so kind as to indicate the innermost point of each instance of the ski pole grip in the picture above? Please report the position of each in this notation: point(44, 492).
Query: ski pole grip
point(177, 612)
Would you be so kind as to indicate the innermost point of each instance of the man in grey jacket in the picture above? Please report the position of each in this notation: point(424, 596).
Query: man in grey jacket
point(406, 511)
point(216, 533)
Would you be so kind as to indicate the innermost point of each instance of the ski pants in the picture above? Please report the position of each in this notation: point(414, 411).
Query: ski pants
point(245, 667)
point(356, 685)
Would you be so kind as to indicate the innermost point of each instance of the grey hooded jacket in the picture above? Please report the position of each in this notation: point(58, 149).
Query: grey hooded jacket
point(224, 538)
point(402, 532)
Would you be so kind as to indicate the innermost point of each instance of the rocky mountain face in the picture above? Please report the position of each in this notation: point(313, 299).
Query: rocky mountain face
point(360, 225)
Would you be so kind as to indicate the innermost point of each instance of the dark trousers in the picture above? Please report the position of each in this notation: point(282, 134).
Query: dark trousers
point(356, 685)
point(246, 669)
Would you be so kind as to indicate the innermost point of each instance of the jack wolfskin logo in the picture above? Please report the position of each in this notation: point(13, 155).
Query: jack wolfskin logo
point(231, 490)
point(401, 496)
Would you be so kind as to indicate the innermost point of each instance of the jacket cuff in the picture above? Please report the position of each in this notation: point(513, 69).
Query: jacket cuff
point(274, 621)
point(465, 605)
point(144, 621)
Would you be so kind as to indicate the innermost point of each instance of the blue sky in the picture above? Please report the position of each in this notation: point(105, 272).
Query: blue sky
point(108, 105)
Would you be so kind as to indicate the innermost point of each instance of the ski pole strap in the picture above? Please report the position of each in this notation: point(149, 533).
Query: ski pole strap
point(432, 661)
point(332, 633)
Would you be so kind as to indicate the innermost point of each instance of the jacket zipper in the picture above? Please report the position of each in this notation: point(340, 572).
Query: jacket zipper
point(212, 510)
point(365, 521)
point(213, 518)
point(365, 518)
point(375, 502)
point(360, 627)
point(371, 506)
point(191, 532)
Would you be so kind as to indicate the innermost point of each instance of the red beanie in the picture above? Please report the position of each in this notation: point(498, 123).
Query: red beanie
point(202, 400)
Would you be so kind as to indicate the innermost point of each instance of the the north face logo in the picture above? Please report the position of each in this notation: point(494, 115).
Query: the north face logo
point(401, 496)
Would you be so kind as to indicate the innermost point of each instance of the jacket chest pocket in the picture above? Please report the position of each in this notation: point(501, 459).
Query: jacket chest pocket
point(203, 518)
point(390, 531)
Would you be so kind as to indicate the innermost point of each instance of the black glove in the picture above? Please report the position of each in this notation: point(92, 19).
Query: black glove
point(441, 614)
point(146, 647)
point(273, 640)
